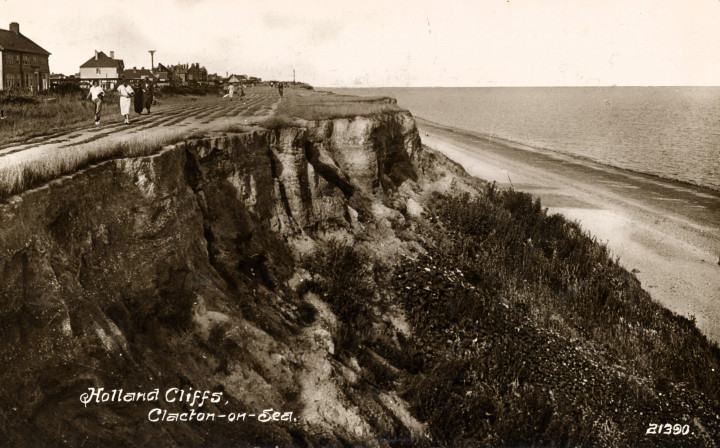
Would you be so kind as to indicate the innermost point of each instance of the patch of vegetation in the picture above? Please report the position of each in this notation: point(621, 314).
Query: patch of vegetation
point(39, 169)
point(525, 333)
point(33, 115)
point(532, 335)
point(313, 106)
point(344, 280)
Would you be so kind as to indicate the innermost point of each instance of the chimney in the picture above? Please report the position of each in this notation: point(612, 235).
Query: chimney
point(96, 55)
point(112, 54)
point(15, 27)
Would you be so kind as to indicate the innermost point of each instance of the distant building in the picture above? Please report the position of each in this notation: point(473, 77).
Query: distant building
point(23, 63)
point(193, 73)
point(179, 73)
point(234, 79)
point(214, 78)
point(197, 74)
point(138, 74)
point(163, 74)
point(103, 68)
point(59, 80)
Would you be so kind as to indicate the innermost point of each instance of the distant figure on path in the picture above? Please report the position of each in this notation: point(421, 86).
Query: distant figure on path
point(96, 95)
point(242, 92)
point(139, 101)
point(280, 89)
point(126, 94)
point(231, 91)
point(148, 94)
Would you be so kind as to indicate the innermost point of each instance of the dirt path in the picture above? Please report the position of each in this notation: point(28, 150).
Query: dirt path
point(666, 232)
point(197, 115)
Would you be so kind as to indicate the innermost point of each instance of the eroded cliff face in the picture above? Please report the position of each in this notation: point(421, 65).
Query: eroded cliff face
point(183, 270)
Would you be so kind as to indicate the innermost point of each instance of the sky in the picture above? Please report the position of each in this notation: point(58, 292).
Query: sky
point(373, 43)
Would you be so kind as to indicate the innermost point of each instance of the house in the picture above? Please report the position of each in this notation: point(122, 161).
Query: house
point(23, 63)
point(58, 80)
point(197, 74)
point(103, 68)
point(163, 74)
point(134, 75)
point(214, 78)
point(234, 79)
point(179, 73)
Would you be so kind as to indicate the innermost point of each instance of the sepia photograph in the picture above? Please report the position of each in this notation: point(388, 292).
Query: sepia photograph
point(409, 223)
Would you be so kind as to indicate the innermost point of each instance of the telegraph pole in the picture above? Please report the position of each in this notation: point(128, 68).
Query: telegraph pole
point(293, 76)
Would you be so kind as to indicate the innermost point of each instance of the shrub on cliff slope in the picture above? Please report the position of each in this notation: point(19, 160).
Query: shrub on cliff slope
point(345, 282)
point(525, 332)
point(532, 335)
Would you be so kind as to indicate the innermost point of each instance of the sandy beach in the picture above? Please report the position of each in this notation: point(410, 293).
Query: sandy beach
point(666, 232)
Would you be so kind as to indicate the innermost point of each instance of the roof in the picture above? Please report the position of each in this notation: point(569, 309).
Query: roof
point(161, 68)
point(9, 40)
point(102, 60)
point(137, 73)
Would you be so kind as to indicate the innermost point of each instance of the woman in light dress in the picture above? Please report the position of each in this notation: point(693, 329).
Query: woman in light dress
point(126, 94)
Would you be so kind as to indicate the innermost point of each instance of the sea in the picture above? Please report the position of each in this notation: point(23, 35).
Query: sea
point(669, 132)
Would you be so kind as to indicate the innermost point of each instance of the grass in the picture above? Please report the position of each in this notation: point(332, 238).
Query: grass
point(312, 106)
point(538, 288)
point(39, 169)
point(345, 282)
point(526, 332)
point(31, 116)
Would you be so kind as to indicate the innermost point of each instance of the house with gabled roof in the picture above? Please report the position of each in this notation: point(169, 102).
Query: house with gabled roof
point(23, 63)
point(103, 68)
point(179, 73)
point(163, 74)
point(138, 74)
point(198, 74)
point(233, 79)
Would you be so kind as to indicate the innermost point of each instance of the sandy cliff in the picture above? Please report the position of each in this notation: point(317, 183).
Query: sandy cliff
point(178, 270)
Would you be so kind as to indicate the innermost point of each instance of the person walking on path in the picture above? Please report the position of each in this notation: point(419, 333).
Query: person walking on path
point(96, 95)
point(280, 89)
point(231, 91)
point(139, 100)
point(148, 95)
point(126, 94)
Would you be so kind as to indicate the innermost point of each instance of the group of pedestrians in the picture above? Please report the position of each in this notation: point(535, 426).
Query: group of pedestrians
point(231, 92)
point(143, 98)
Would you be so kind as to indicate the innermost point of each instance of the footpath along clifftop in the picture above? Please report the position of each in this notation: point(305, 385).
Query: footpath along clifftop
point(322, 263)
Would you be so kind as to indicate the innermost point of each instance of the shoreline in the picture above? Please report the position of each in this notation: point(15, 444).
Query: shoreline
point(664, 231)
point(568, 156)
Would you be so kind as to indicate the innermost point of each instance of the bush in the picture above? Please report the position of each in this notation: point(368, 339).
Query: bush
point(346, 283)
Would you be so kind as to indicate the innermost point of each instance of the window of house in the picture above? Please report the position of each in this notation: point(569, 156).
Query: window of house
point(17, 59)
point(34, 60)
point(26, 59)
point(97, 70)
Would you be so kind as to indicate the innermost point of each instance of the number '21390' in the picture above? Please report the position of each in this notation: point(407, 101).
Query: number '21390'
point(668, 428)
